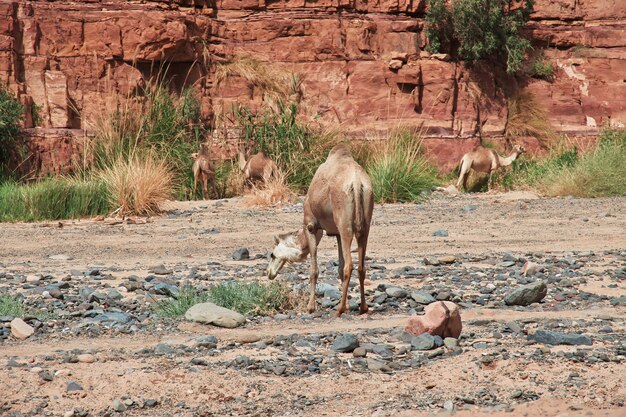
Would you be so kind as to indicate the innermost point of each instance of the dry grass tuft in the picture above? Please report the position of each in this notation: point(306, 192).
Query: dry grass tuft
point(274, 191)
point(526, 117)
point(138, 184)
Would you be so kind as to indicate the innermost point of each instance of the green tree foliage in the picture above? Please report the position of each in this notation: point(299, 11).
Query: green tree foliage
point(479, 29)
point(11, 111)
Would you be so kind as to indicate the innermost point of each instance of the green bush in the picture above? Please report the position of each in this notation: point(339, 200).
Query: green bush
point(252, 297)
point(479, 29)
point(11, 112)
point(542, 68)
point(52, 199)
point(398, 170)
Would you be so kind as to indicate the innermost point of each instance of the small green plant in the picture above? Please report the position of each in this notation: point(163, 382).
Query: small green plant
point(252, 297)
point(398, 170)
point(11, 306)
point(53, 199)
point(187, 297)
point(542, 68)
point(11, 112)
point(35, 114)
point(479, 29)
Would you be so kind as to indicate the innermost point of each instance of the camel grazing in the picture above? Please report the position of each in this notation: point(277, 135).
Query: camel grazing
point(259, 168)
point(202, 171)
point(340, 201)
point(485, 160)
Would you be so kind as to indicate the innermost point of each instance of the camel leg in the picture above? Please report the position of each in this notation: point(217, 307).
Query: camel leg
point(463, 175)
point(214, 186)
point(362, 241)
point(341, 260)
point(489, 181)
point(314, 272)
point(195, 185)
point(346, 242)
point(205, 190)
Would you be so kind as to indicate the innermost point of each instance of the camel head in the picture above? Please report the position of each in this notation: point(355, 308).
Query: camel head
point(194, 155)
point(288, 247)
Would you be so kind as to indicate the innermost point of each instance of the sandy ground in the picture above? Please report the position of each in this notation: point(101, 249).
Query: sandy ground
point(516, 222)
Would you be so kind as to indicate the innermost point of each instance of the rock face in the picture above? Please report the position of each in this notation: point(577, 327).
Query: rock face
point(441, 318)
point(526, 295)
point(363, 64)
point(210, 313)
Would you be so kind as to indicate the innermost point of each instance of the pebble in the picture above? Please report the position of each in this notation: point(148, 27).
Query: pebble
point(119, 406)
point(396, 292)
point(86, 358)
point(422, 297)
point(440, 233)
point(73, 386)
point(241, 254)
point(60, 257)
point(345, 343)
point(423, 342)
point(359, 352)
point(449, 259)
point(160, 270)
point(526, 295)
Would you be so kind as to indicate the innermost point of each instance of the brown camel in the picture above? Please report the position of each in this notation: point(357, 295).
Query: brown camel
point(259, 168)
point(340, 201)
point(485, 160)
point(203, 171)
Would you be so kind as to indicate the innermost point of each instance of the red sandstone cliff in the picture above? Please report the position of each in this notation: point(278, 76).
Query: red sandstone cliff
point(362, 62)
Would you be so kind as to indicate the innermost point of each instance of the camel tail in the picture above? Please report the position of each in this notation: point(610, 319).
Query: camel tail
point(359, 208)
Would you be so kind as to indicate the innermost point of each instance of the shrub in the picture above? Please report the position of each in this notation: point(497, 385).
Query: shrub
point(275, 190)
point(252, 297)
point(11, 306)
point(187, 297)
point(398, 170)
point(526, 117)
point(53, 199)
point(138, 183)
point(11, 112)
point(542, 68)
point(479, 29)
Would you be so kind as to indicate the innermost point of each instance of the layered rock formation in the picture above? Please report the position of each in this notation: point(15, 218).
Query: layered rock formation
point(362, 62)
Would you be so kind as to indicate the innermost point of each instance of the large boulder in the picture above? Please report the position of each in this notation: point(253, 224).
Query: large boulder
point(442, 318)
point(209, 313)
point(526, 295)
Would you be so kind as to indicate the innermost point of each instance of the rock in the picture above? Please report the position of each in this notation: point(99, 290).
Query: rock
point(345, 343)
point(469, 207)
point(359, 352)
point(451, 342)
point(241, 254)
point(160, 270)
point(529, 269)
point(423, 342)
point(208, 342)
point(377, 366)
point(119, 406)
point(73, 386)
point(86, 358)
point(46, 376)
point(440, 233)
point(526, 295)
point(210, 313)
point(163, 288)
point(422, 297)
point(20, 329)
point(395, 64)
point(441, 318)
point(619, 301)
point(448, 405)
point(60, 257)
point(396, 292)
point(450, 259)
point(441, 57)
point(112, 317)
point(114, 294)
point(554, 338)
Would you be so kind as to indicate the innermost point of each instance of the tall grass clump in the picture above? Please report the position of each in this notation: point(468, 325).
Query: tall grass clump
point(598, 173)
point(156, 121)
point(176, 307)
point(11, 306)
point(252, 297)
point(138, 183)
point(274, 190)
point(526, 117)
point(398, 170)
point(53, 199)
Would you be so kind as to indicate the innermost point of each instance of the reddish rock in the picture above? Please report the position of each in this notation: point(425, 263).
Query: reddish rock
point(441, 318)
point(21, 330)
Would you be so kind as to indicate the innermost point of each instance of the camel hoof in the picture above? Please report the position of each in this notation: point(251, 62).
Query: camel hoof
point(310, 308)
point(364, 310)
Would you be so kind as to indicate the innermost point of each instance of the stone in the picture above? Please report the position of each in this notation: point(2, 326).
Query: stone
point(448, 405)
point(20, 329)
point(86, 358)
point(60, 257)
point(526, 295)
point(345, 343)
point(555, 338)
point(73, 386)
point(210, 313)
point(241, 254)
point(359, 352)
point(424, 341)
point(442, 318)
point(450, 259)
point(619, 301)
point(422, 297)
point(160, 270)
point(395, 64)
point(451, 342)
point(440, 233)
point(378, 366)
point(396, 292)
point(208, 342)
point(163, 288)
point(114, 294)
point(119, 406)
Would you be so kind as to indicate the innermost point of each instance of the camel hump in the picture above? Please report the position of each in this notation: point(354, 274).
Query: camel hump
point(341, 150)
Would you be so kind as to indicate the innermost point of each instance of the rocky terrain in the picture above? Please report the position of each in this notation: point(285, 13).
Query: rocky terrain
point(541, 286)
point(363, 65)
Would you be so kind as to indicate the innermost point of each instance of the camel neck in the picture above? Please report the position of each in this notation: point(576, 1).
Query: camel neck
point(508, 160)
